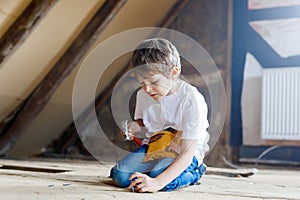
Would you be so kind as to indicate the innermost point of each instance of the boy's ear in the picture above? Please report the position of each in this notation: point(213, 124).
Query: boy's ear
point(175, 71)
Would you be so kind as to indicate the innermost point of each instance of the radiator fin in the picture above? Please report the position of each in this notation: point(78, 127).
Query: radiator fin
point(280, 119)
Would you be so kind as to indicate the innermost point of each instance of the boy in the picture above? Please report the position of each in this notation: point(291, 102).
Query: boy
point(171, 110)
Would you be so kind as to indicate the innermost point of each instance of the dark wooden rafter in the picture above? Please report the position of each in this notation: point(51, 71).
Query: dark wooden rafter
point(63, 67)
point(86, 116)
point(172, 14)
point(23, 26)
point(5, 123)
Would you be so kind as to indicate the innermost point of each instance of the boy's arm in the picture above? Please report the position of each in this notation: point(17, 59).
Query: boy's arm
point(183, 160)
point(140, 122)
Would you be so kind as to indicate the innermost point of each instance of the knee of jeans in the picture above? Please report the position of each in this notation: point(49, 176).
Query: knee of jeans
point(202, 168)
point(121, 178)
point(155, 173)
point(175, 184)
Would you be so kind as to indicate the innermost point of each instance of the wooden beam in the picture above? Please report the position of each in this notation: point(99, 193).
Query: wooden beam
point(70, 59)
point(231, 153)
point(5, 123)
point(172, 14)
point(23, 26)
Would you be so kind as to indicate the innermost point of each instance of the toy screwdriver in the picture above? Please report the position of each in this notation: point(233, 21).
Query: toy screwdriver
point(124, 125)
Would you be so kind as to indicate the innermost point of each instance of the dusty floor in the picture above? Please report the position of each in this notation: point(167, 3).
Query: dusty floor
point(84, 180)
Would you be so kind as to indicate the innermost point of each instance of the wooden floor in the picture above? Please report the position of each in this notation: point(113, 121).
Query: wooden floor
point(84, 180)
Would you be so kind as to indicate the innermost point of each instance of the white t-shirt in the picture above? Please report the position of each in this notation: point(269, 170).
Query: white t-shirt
point(185, 110)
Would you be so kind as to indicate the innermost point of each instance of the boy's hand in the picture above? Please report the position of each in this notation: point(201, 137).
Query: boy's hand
point(132, 127)
point(123, 135)
point(143, 183)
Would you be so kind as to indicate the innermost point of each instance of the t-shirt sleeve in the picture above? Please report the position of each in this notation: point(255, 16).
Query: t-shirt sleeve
point(195, 121)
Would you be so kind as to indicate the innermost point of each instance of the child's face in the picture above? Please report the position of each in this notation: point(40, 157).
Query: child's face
point(157, 86)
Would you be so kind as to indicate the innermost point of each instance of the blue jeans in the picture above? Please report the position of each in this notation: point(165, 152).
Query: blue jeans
point(133, 163)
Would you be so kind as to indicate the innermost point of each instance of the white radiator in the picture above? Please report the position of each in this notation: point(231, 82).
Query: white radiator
point(280, 119)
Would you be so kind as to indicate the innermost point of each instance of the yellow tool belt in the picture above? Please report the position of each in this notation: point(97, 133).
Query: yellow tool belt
point(159, 145)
